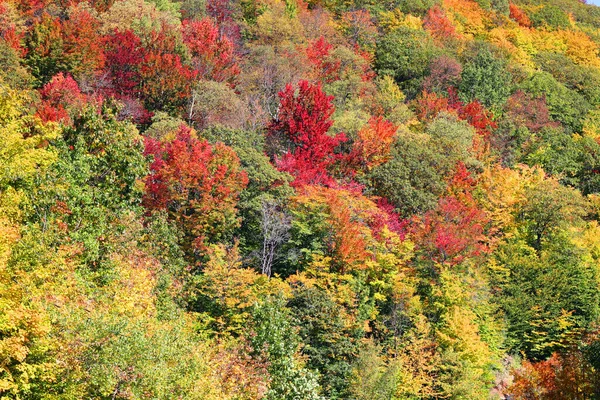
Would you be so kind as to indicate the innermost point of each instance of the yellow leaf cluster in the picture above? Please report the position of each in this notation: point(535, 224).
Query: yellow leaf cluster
point(395, 19)
point(467, 16)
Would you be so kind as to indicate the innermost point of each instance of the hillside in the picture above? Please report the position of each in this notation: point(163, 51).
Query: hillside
point(299, 199)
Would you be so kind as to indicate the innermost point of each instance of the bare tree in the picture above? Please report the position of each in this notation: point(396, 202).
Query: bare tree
point(275, 226)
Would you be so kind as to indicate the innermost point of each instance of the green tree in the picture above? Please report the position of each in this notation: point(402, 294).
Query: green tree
point(13, 74)
point(485, 78)
point(545, 278)
point(330, 342)
point(405, 54)
point(415, 176)
point(550, 17)
point(45, 55)
point(96, 180)
point(585, 80)
point(274, 338)
point(565, 105)
point(547, 297)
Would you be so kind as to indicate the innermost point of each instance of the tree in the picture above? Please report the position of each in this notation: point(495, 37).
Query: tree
point(445, 72)
point(564, 104)
point(374, 142)
point(24, 155)
point(501, 6)
point(548, 299)
point(300, 134)
point(212, 54)
point(359, 27)
point(11, 33)
point(525, 110)
point(331, 342)
point(226, 293)
point(215, 103)
point(82, 43)
point(373, 378)
point(124, 55)
point(60, 97)
point(275, 226)
point(95, 180)
point(319, 54)
point(44, 45)
point(470, 17)
point(388, 102)
point(550, 17)
point(405, 54)
point(548, 207)
point(197, 184)
point(439, 25)
point(455, 229)
point(563, 374)
point(542, 275)
point(561, 155)
point(518, 15)
point(336, 230)
point(413, 178)
point(165, 82)
point(266, 185)
point(143, 18)
point(268, 71)
point(583, 79)
point(485, 78)
point(275, 339)
point(14, 73)
point(278, 25)
point(224, 12)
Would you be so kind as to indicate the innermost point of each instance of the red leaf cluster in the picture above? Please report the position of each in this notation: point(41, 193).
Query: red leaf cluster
point(303, 122)
point(124, 55)
point(318, 54)
point(428, 105)
point(531, 112)
point(519, 16)
point(197, 183)
point(438, 24)
point(58, 96)
point(212, 55)
point(445, 72)
point(454, 231)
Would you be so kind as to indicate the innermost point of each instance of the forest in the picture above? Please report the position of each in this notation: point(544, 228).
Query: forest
point(299, 199)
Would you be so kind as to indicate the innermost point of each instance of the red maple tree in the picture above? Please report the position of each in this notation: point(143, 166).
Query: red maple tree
point(455, 230)
point(60, 95)
point(197, 183)
point(212, 53)
point(301, 128)
point(124, 55)
point(519, 15)
point(438, 24)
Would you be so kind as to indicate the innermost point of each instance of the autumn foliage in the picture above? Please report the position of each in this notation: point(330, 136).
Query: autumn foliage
point(212, 54)
point(438, 24)
point(455, 230)
point(429, 105)
point(59, 96)
point(307, 151)
point(197, 183)
point(318, 54)
point(299, 199)
point(374, 141)
point(518, 15)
